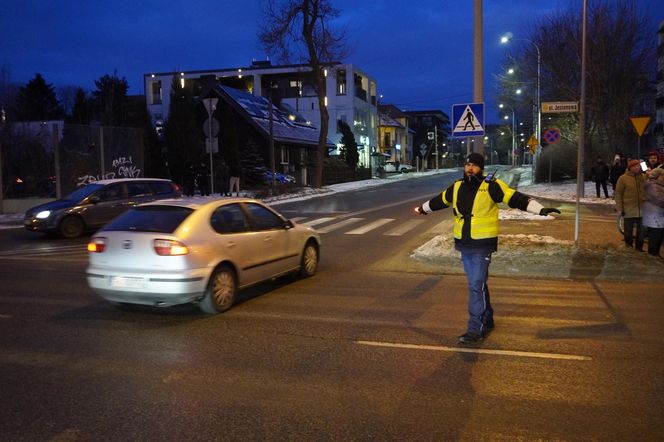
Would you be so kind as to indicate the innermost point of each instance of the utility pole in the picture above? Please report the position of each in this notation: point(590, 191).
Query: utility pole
point(478, 74)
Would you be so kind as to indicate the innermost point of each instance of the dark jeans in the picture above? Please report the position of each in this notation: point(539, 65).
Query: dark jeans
point(476, 266)
point(655, 238)
point(603, 184)
point(630, 224)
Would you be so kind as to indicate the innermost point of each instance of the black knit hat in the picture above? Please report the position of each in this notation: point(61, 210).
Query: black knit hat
point(477, 159)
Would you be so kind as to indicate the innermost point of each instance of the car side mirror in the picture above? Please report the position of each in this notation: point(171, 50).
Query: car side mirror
point(94, 199)
point(288, 224)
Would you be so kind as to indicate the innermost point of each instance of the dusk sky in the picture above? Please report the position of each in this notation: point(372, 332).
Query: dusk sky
point(420, 52)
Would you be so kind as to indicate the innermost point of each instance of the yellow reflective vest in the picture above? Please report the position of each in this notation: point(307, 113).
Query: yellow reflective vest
point(484, 216)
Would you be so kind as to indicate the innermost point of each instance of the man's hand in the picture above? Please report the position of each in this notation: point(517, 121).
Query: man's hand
point(546, 210)
point(420, 210)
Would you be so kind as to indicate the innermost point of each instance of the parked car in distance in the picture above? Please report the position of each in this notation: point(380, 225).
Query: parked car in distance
point(391, 166)
point(95, 204)
point(196, 250)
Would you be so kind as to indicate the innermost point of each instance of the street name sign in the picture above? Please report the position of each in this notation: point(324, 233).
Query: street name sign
point(559, 107)
point(468, 119)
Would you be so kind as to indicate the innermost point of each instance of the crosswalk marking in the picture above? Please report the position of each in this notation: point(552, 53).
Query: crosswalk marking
point(368, 227)
point(315, 222)
point(404, 227)
point(297, 219)
point(339, 225)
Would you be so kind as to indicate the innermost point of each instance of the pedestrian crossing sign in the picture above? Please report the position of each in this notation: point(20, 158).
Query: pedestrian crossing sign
point(468, 119)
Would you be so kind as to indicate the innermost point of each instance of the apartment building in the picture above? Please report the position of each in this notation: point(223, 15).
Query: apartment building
point(350, 95)
point(396, 135)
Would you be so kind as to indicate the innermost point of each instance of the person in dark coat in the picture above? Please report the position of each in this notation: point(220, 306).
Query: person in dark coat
point(617, 168)
point(600, 174)
point(222, 178)
point(202, 180)
point(189, 180)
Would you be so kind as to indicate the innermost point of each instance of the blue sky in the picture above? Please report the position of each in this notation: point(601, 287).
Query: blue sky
point(420, 52)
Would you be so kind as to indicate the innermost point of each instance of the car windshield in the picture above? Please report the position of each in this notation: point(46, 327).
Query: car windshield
point(153, 218)
point(83, 192)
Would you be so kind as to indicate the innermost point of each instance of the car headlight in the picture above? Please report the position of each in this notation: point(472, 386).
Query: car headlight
point(43, 214)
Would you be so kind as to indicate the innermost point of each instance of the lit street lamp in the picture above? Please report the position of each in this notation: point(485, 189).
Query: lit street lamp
point(505, 39)
point(506, 117)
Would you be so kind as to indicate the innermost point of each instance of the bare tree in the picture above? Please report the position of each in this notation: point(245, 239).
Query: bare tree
point(620, 63)
point(301, 28)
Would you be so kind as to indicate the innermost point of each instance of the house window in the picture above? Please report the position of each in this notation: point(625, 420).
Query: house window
point(341, 82)
point(341, 119)
point(155, 92)
point(285, 156)
point(386, 140)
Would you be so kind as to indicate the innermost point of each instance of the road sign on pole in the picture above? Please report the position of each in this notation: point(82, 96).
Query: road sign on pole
point(559, 107)
point(468, 119)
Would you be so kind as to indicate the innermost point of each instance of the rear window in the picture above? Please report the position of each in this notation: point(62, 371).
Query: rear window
point(159, 219)
point(162, 187)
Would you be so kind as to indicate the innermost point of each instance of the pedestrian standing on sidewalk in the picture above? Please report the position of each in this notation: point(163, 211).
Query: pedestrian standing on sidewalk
point(617, 169)
point(234, 169)
point(653, 210)
point(630, 196)
point(600, 174)
point(474, 200)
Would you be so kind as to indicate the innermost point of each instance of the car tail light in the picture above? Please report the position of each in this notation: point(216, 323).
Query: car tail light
point(97, 245)
point(169, 247)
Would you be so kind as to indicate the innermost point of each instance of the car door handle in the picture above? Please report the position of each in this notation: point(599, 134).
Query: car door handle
point(267, 239)
point(231, 244)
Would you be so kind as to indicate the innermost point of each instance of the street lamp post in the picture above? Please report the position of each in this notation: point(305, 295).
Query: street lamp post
point(513, 133)
point(538, 129)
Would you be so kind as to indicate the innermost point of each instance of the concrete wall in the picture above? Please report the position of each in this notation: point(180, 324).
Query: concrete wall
point(23, 204)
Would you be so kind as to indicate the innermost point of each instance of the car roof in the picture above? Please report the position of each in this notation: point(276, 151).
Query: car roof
point(129, 180)
point(196, 202)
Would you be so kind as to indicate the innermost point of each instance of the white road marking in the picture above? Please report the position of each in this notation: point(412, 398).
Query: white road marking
point(297, 219)
point(315, 222)
point(522, 354)
point(368, 227)
point(404, 227)
point(338, 225)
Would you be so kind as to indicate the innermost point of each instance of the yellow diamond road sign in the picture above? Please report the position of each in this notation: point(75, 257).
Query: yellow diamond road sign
point(640, 124)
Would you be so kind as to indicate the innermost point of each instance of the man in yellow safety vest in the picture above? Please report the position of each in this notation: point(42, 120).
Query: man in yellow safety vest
point(474, 200)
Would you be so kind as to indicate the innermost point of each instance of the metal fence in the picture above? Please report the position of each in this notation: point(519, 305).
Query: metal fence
point(50, 159)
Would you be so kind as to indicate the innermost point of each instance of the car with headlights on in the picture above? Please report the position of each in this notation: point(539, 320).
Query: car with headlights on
point(93, 205)
point(196, 250)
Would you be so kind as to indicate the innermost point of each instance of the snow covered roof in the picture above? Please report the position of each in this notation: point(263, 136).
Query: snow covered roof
point(287, 125)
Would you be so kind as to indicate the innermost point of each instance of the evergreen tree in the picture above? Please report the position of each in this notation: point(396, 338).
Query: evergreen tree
point(37, 101)
point(349, 150)
point(111, 100)
point(153, 163)
point(81, 112)
point(182, 135)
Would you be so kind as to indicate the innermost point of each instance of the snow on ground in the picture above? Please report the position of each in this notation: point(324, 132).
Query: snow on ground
point(555, 191)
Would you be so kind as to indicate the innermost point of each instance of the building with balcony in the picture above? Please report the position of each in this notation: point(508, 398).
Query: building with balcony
point(396, 136)
point(350, 95)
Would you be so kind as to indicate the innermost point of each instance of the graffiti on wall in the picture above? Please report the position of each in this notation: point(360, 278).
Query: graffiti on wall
point(123, 168)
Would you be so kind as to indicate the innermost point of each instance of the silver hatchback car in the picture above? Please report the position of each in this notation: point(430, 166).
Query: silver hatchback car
point(198, 250)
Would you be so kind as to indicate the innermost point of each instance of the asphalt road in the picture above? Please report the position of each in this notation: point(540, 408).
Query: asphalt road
point(365, 350)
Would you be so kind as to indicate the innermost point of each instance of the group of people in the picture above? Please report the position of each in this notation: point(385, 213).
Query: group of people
point(226, 180)
point(639, 196)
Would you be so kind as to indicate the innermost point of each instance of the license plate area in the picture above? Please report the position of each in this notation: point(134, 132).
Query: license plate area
point(127, 282)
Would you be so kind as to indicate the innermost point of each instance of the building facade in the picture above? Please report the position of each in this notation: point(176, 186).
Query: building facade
point(350, 95)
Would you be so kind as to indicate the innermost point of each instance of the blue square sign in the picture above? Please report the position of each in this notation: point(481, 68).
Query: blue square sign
point(468, 120)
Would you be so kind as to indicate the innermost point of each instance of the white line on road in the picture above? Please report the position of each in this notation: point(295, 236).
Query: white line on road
point(405, 227)
point(318, 221)
point(523, 354)
point(369, 227)
point(340, 224)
